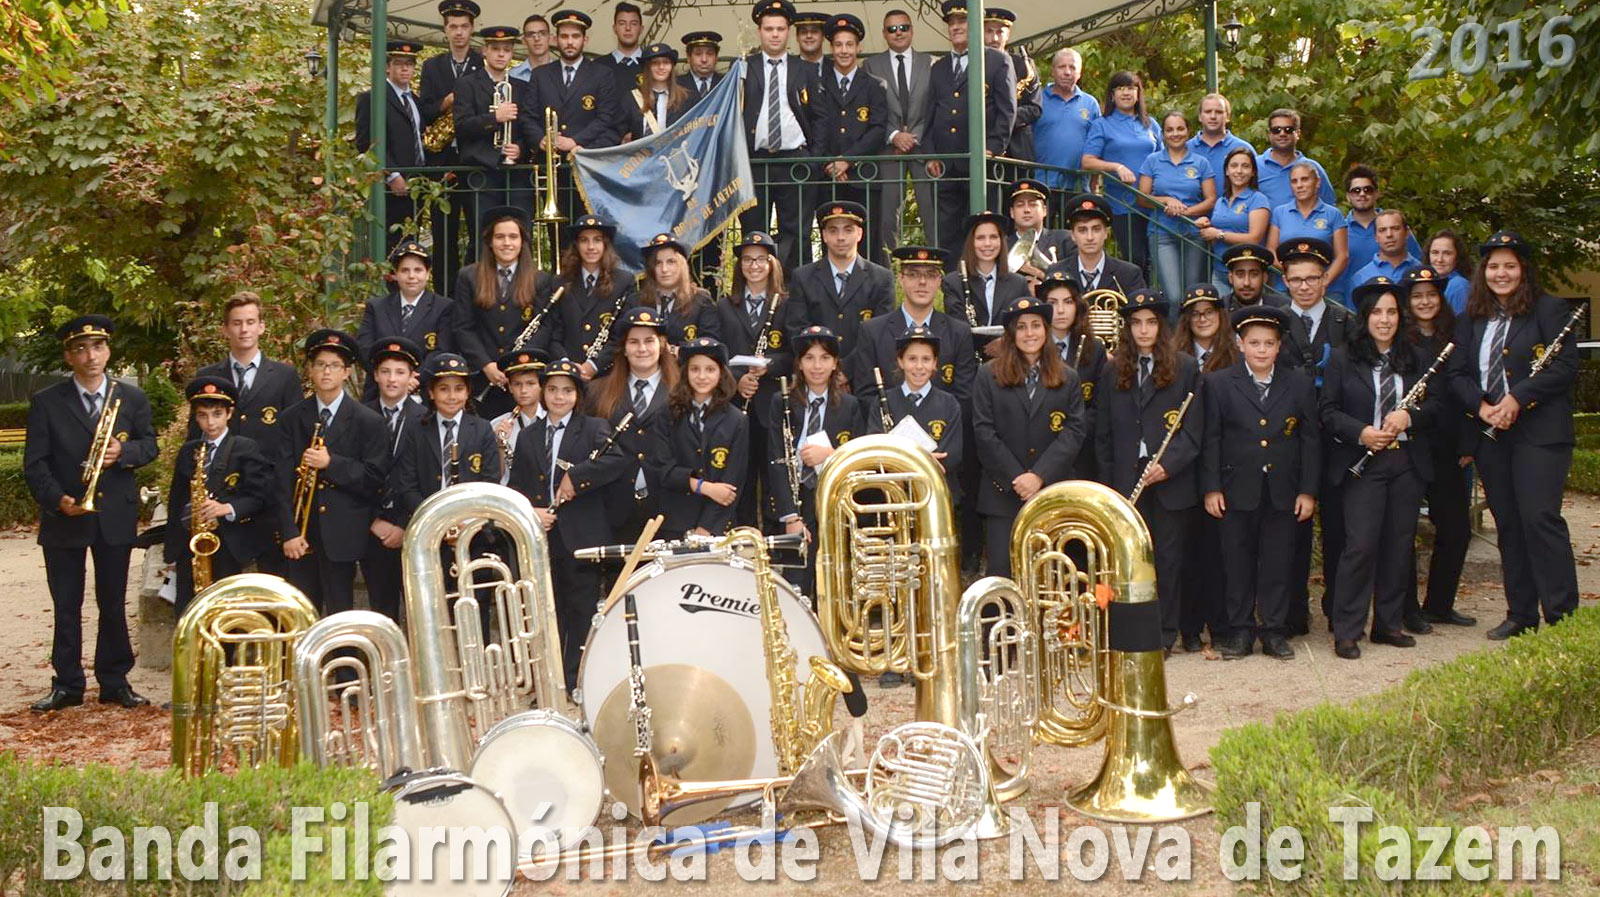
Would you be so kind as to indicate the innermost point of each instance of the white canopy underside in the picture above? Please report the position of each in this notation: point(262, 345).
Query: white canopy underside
point(1041, 24)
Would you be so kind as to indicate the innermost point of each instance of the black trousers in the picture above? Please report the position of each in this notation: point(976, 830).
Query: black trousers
point(1379, 551)
point(777, 188)
point(1450, 511)
point(1524, 483)
point(997, 531)
point(951, 193)
point(330, 584)
point(1257, 554)
point(1133, 240)
point(1330, 509)
point(577, 585)
point(450, 226)
point(113, 650)
point(1169, 531)
point(380, 567)
point(222, 566)
point(747, 510)
point(1204, 581)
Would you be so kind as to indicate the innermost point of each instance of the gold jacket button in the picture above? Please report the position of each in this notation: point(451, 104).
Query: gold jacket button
point(322, 509)
point(1263, 443)
point(1263, 422)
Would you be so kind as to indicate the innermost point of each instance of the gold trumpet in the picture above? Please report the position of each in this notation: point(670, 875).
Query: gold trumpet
point(232, 674)
point(104, 432)
point(203, 539)
point(305, 485)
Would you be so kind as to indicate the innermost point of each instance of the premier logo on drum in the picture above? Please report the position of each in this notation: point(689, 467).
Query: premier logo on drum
point(696, 599)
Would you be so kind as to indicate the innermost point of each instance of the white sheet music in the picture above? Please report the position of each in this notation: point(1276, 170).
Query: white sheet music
point(908, 428)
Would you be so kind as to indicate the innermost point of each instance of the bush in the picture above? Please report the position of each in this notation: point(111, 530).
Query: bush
point(13, 415)
point(1406, 751)
point(261, 800)
point(1585, 473)
point(1586, 393)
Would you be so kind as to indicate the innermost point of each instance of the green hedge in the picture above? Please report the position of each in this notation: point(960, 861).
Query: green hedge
point(123, 799)
point(16, 502)
point(1412, 750)
point(13, 415)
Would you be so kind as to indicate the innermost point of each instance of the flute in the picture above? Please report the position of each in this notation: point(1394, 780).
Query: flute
point(1161, 450)
point(1542, 361)
point(1412, 399)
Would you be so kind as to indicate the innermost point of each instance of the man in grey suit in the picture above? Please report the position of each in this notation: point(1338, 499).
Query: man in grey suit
point(905, 71)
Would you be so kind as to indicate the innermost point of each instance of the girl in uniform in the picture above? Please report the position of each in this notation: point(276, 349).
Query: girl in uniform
point(1203, 335)
point(687, 309)
point(638, 385)
point(937, 412)
point(756, 315)
point(496, 298)
point(981, 278)
point(1079, 349)
point(598, 291)
point(702, 459)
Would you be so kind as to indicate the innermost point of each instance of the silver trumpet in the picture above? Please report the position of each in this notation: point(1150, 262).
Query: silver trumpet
point(377, 710)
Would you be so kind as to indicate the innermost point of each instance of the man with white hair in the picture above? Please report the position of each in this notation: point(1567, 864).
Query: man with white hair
point(1064, 122)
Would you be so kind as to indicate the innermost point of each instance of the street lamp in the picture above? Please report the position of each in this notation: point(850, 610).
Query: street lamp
point(1230, 32)
point(314, 62)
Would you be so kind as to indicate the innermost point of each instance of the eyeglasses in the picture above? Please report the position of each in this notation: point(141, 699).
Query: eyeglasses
point(757, 260)
point(897, 29)
point(1303, 281)
point(327, 366)
point(1283, 129)
point(1202, 314)
point(1363, 191)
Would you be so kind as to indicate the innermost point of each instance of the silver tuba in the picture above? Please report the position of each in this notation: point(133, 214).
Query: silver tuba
point(370, 721)
point(464, 684)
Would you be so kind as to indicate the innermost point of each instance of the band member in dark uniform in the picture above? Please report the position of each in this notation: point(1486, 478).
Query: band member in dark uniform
point(1361, 395)
point(937, 412)
point(1089, 218)
point(411, 310)
point(842, 290)
point(568, 489)
point(659, 100)
point(437, 94)
point(1249, 273)
point(756, 318)
point(63, 421)
point(1201, 333)
point(687, 310)
point(350, 465)
point(778, 91)
point(496, 298)
point(590, 109)
point(850, 112)
point(1510, 321)
point(703, 459)
point(1204, 334)
point(920, 269)
point(700, 52)
point(1028, 423)
point(394, 364)
point(980, 279)
point(402, 146)
point(238, 480)
point(1449, 493)
point(1259, 470)
point(597, 292)
point(522, 371)
point(481, 122)
point(639, 384)
point(1138, 402)
point(821, 417)
point(1078, 348)
point(1030, 209)
point(449, 445)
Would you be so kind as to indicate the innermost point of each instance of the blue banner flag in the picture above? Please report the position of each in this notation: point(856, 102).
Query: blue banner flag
point(690, 180)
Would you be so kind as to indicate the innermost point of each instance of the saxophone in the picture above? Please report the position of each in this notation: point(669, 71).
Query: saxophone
point(203, 538)
point(802, 715)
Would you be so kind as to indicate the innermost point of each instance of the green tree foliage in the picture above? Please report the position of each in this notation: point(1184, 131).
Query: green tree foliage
point(1561, 104)
point(38, 44)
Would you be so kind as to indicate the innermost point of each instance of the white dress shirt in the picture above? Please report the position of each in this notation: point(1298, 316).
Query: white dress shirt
point(789, 129)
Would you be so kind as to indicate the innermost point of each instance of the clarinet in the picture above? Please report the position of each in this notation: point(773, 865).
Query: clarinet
point(595, 345)
point(883, 401)
point(761, 344)
point(527, 333)
point(1166, 440)
point(791, 459)
point(1412, 399)
point(1543, 361)
point(638, 705)
point(611, 439)
point(972, 315)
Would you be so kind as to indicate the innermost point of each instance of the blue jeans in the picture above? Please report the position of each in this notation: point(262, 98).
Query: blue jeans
point(1179, 264)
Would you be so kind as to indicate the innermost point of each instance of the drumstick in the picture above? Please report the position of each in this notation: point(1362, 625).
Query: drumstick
point(645, 538)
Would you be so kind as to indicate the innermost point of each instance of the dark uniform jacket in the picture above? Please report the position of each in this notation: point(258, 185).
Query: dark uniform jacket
point(59, 437)
point(1546, 415)
point(842, 420)
point(1013, 436)
point(626, 76)
point(348, 489)
point(853, 123)
point(1115, 274)
point(482, 335)
point(1313, 352)
point(1348, 405)
point(634, 122)
point(939, 415)
point(692, 84)
point(239, 475)
point(411, 416)
point(1030, 105)
point(801, 93)
point(402, 138)
point(701, 319)
point(431, 326)
point(419, 468)
point(1248, 442)
point(583, 319)
point(591, 111)
point(1006, 288)
point(868, 293)
point(1090, 366)
point(720, 454)
point(875, 349)
point(582, 522)
point(635, 443)
point(946, 130)
point(275, 389)
point(439, 81)
point(742, 336)
point(476, 126)
point(1121, 421)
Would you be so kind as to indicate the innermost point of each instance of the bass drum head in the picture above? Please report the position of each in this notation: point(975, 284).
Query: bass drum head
point(444, 815)
point(548, 772)
point(698, 612)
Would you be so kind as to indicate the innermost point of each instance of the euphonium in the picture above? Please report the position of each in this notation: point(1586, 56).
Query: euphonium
point(104, 431)
point(1102, 669)
point(377, 709)
point(999, 658)
point(305, 485)
point(802, 715)
point(232, 672)
point(463, 684)
point(1025, 251)
point(203, 539)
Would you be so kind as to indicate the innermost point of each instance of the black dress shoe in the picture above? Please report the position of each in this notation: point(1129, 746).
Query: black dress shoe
point(1508, 629)
point(1449, 618)
point(1276, 646)
point(1349, 650)
point(1192, 644)
point(124, 696)
point(56, 700)
point(1301, 627)
point(1397, 639)
point(1418, 624)
point(1235, 647)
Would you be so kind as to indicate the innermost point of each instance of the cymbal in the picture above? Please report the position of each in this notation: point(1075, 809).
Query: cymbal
point(702, 732)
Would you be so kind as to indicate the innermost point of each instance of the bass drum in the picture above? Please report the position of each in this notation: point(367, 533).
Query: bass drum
point(701, 643)
point(549, 773)
point(444, 815)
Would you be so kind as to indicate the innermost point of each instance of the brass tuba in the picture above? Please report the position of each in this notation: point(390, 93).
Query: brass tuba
point(376, 712)
point(1102, 671)
point(203, 538)
point(232, 672)
point(464, 684)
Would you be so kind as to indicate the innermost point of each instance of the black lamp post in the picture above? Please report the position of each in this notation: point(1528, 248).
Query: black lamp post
point(1230, 32)
point(314, 62)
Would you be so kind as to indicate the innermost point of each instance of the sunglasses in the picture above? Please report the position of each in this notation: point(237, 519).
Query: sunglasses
point(897, 29)
point(1283, 129)
point(1363, 191)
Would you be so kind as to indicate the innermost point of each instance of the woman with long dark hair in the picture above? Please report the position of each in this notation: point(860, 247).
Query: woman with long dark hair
point(1117, 144)
point(1079, 349)
point(1183, 187)
point(496, 297)
point(701, 458)
point(1447, 256)
point(1510, 320)
point(639, 383)
point(1137, 402)
point(659, 100)
point(1028, 423)
point(756, 319)
point(1449, 493)
point(669, 288)
point(597, 290)
point(1201, 332)
point(988, 286)
point(1360, 410)
point(1242, 213)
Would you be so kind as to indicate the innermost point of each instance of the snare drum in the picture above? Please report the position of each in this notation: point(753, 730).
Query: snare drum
point(447, 815)
point(698, 611)
point(548, 771)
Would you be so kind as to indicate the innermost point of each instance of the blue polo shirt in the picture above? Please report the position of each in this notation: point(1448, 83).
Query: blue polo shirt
point(1060, 132)
point(1364, 245)
point(1180, 180)
point(1380, 268)
point(1323, 221)
point(1273, 179)
point(1121, 138)
point(1455, 292)
point(1233, 216)
point(1218, 155)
